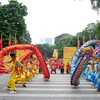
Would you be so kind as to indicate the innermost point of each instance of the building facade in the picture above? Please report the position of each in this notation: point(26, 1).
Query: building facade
point(46, 40)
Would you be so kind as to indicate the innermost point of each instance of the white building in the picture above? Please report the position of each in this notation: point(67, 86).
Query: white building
point(46, 40)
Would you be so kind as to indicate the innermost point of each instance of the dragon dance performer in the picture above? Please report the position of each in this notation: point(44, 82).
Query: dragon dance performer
point(51, 63)
point(34, 63)
point(98, 76)
point(17, 70)
point(28, 72)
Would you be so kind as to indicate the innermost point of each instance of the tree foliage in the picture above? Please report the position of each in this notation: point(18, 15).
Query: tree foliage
point(26, 38)
point(98, 30)
point(12, 20)
point(64, 40)
point(95, 4)
point(58, 37)
point(46, 49)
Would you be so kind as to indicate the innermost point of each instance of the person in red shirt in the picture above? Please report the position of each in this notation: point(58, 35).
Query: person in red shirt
point(54, 66)
point(61, 67)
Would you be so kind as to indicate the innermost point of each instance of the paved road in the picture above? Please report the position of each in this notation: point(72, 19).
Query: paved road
point(56, 88)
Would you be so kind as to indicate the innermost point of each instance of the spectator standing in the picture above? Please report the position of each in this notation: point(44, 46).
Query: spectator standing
point(61, 67)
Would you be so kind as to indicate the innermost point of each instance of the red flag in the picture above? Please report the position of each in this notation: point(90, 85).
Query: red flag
point(1, 42)
point(78, 42)
point(10, 40)
point(83, 39)
point(16, 41)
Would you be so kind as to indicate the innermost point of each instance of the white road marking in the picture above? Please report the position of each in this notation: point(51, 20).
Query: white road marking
point(54, 85)
point(55, 89)
point(48, 95)
point(35, 82)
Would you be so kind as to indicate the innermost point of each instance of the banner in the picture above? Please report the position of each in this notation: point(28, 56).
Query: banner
point(68, 52)
point(16, 41)
point(55, 53)
point(78, 43)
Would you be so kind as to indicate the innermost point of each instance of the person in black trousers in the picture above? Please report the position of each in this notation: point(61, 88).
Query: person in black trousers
point(61, 68)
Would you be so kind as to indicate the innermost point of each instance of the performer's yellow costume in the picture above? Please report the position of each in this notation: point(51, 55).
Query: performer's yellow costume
point(27, 72)
point(16, 72)
point(35, 67)
point(11, 81)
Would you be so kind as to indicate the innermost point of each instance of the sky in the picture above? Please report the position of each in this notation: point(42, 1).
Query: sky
point(50, 18)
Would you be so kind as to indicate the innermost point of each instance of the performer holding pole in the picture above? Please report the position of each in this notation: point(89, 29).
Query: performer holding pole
point(17, 65)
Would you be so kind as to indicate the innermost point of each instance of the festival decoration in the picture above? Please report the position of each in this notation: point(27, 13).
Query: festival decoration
point(31, 47)
point(81, 57)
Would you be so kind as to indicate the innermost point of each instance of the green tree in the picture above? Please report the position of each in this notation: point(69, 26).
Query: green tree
point(57, 38)
point(89, 31)
point(46, 49)
point(5, 29)
point(26, 38)
point(95, 4)
point(12, 20)
point(98, 30)
point(65, 40)
point(91, 28)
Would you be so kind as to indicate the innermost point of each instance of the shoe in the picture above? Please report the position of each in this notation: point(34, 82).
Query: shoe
point(12, 92)
point(98, 90)
point(6, 88)
point(24, 85)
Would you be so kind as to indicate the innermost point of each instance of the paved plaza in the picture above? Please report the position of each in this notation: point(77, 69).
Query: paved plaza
point(56, 88)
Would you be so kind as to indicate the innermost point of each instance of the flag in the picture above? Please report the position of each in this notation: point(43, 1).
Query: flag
point(10, 40)
point(55, 53)
point(83, 39)
point(78, 43)
point(1, 42)
point(16, 41)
